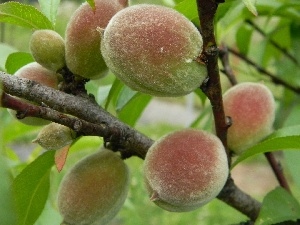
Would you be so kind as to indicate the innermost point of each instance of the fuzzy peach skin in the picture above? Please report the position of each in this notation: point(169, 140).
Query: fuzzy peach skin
point(251, 107)
point(152, 49)
point(83, 56)
point(36, 72)
point(94, 190)
point(48, 49)
point(185, 170)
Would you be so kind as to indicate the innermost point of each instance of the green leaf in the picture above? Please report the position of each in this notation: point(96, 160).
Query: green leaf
point(201, 96)
point(188, 8)
point(133, 109)
point(293, 165)
point(114, 92)
point(278, 206)
point(7, 212)
point(49, 8)
point(16, 60)
point(91, 3)
point(243, 38)
point(31, 188)
point(250, 4)
point(23, 15)
point(284, 139)
point(124, 97)
point(5, 50)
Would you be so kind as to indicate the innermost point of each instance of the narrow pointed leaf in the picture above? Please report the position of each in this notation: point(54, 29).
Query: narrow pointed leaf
point(49, 8)
point(287, 138)
point(61, 157)
point(31, 188)
point(91, 3)
point(250, 4)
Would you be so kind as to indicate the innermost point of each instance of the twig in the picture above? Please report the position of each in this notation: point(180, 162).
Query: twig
point(244, 203)
point(212, 87)
point(127, 139)
point(283, 50)
point(224, 57)
point(262, 70)
point(276, 167)
point(25, 109)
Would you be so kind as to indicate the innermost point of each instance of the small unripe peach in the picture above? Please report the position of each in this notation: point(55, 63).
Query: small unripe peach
point(36, 72)
point(185, 170)
point(251, 107)
point(94, 190)
point(83, 54)
point(153, 49)
point(48, 49)
point(55, 136)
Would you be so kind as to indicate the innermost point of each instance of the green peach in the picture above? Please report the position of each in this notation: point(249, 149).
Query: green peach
point(94, 190)
point(55, 136)
point(48, 49)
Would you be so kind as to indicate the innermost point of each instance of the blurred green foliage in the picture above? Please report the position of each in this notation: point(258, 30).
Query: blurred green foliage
point(280, 22)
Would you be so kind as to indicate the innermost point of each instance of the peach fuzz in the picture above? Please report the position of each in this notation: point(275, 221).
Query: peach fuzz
point(83, 56)
point(251, 107)
point(153, 49)
point(185, 170)
point(94, 190)
point(48, 49)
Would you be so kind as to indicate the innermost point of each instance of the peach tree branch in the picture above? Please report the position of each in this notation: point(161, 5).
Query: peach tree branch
point(212, 88)
point(274, 78)
point(120, 136)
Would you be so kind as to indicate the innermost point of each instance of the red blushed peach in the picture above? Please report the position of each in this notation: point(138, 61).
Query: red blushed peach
point(83, 56)
point(94, 190)
point(251, 107)
point(153, 49)
point(185, 170)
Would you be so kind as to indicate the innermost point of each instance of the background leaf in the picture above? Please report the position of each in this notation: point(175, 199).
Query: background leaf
point(16, 60)
point(31, 188)
point(133, 109)
point(188, 8)
point(250, 4)
point(49, 8)
point(7, 212)
point(23, 15)
point(278, 206)
point(5, 50)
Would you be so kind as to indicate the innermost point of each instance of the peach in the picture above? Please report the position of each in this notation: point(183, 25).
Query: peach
point(153, 49)
point(94, 190)
point(185, 169)
point(41, 75)
point(251, 107)
point(48, 49)
point(83, 56)
point(55, 136)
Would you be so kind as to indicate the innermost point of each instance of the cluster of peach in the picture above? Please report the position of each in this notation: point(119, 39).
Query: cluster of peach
point(154, 50)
